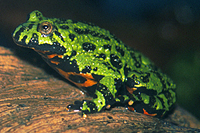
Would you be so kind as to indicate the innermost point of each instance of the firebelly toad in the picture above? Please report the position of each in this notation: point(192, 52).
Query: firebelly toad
point(98, 63)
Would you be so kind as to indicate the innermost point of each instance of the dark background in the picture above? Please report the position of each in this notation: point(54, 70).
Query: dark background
point(166, 31)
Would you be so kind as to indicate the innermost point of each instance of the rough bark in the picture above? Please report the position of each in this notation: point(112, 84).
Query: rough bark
point(32, 100)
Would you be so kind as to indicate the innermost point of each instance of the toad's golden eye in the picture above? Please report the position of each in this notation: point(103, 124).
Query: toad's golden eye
point(45, 28)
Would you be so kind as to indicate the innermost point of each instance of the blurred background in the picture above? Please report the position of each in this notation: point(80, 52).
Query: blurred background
point(166, 31)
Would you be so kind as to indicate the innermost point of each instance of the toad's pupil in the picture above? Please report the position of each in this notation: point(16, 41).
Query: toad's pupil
point(45, 27)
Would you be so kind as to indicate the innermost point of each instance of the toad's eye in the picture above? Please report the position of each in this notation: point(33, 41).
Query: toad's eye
point(45, 28)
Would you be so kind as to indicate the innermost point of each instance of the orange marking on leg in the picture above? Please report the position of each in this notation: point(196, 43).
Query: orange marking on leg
point(146, 113)
point(60, 56)
point(54, 55)
point(88, 83)
point(51, 56)
point(55, 62)
point(131, 90)
point(130, 102)
point(131, 108)
point(90, 80)
point(39, 51)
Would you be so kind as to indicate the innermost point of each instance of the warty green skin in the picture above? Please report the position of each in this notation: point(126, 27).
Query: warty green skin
point(98, 63)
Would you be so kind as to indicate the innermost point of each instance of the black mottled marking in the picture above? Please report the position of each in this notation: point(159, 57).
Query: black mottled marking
point(104, 37)
point(79, 31)
point(160, 77)
point(107, 96)
point(149, 92)
point(107, 46)
point(56, 48)
point(130, 82)
point(38, 14)
point(53, 49)
point(95, 69)
point(73, 53)
point(86, 31)
point(140, 59)
point(92, 107)
point(152, 100)
point(77, 78)
point(88, 46)
point(72, 36)
point(87, 69)
point(97, 77)
point(167, 94)
point(18, 33)
point(101, 56)
point(34, 40)
point(116, 62)
point(74, 66)
point(162, 101)
point(138, 95)
point(93, 33)
point(76, 106)
point(137, 64)
point(118, 86)
point(59, 35)
point(64, 27)
point(30, 26)
point(108, 66)
point(71, 65)
point(94, 95)
point(126, 70)
point(168, 83)
point(24, 39)
point(38, 25)
point(121, 51)
point(90, 90)
point(145, 79)
point(55, 28)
